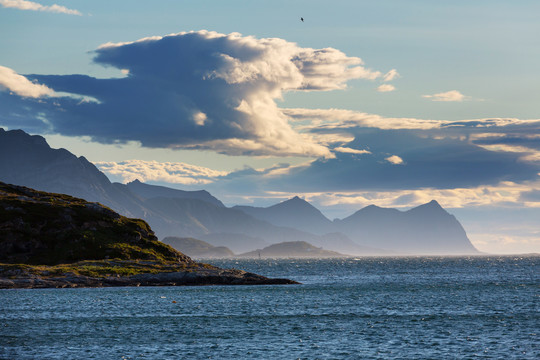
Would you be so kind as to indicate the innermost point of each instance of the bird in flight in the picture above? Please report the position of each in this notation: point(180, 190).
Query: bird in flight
point(302, 19)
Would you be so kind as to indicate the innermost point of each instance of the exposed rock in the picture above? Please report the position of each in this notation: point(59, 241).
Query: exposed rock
point(181, 278)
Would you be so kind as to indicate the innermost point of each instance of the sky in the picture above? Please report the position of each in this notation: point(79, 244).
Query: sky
point(390, 102)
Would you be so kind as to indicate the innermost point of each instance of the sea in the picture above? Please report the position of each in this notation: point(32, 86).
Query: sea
point(483, 307)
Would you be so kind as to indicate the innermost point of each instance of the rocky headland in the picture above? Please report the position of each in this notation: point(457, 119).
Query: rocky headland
point(56, 240)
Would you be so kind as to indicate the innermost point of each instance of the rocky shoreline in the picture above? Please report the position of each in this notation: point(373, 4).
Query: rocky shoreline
point(53, 240)
point(182, 278)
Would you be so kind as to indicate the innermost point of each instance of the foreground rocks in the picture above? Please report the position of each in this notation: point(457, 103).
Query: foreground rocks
point(199, 277)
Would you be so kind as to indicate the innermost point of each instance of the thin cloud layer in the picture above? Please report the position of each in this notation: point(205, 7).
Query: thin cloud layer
point(391, 75)
point(34, 6)
point(169, 172)
point(437, 154)
point(504, 194)
point(351, 151)
point(196, 90)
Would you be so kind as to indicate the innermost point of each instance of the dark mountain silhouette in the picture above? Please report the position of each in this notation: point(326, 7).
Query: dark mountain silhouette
point(146, 191)
point(29, 161)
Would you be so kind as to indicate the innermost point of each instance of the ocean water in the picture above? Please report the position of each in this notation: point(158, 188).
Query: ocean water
point(366, 308)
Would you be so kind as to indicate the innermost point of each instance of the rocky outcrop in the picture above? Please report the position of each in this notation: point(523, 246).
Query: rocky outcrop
point(46, 228)
point(55, 240)
point(179, 278)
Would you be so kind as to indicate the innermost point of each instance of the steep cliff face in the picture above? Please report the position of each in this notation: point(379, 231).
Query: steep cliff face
point(46, 228)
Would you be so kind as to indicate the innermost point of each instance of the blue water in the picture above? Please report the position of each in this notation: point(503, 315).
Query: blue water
point(369, 308)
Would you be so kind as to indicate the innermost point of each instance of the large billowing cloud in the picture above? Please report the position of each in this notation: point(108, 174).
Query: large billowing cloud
point(195, 90)
point(374, 153)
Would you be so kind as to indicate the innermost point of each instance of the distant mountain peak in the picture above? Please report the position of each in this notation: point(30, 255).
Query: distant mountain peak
point(432, 206)
point(295, 200)
point(295, 203)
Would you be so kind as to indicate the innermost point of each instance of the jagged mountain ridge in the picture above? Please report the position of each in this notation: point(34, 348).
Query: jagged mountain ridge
point(426, 229)
point(29, 161)
point(40, 167)
point(295, 213)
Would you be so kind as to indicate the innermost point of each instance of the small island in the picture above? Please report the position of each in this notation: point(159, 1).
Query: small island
point(53, 240)
point(292, 249)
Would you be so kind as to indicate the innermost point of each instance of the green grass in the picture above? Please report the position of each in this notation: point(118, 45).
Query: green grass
point(97, 268)
point(53, 229)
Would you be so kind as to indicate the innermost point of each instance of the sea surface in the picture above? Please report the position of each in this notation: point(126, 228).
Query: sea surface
point(365, 308)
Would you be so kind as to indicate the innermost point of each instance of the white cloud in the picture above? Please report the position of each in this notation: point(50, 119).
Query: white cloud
point(212, 91)
point(341, 120)
point(452, 95)
point(502, 194)
point(171, 172)
point(20, 85)
point(351, 151)
point(338, 119)
point(199, 118)
point(386, 88)
point(531, 155)
point(391, 75)
point(394, 159)
point(34, 6)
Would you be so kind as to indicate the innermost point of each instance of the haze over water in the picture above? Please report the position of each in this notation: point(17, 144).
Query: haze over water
point(390, 308)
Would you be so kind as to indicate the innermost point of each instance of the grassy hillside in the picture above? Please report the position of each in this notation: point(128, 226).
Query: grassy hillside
point(41, 228)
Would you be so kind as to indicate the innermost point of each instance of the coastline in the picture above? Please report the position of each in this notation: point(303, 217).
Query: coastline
point(179, 278)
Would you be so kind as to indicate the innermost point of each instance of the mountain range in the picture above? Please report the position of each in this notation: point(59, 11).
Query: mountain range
point(428, 229)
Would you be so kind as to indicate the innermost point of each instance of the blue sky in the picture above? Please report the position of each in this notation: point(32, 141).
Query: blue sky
point(388, 102)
